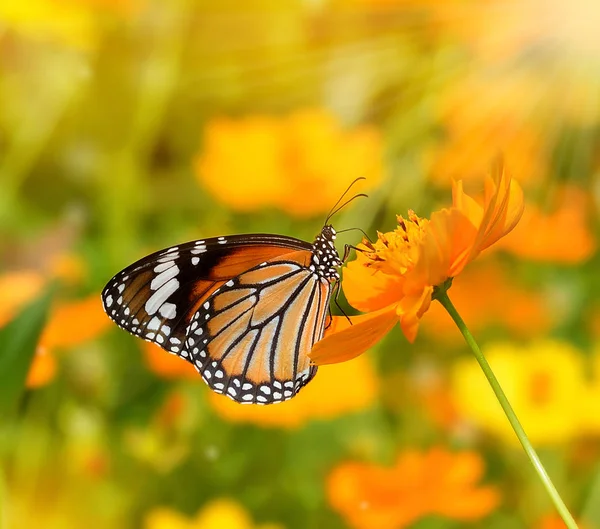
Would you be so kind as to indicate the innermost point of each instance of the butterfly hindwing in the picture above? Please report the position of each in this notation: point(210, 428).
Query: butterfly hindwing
point(251, 338)
point(156, 297)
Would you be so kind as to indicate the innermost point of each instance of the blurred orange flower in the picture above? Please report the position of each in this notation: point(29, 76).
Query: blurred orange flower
point(395, 277)
point(433, 483)
point(483, 117)
point(562, 235)
point(553, 521)
point(300, 163)
point(69, 323)
point(335, 391)
point(217, 514)
point(74, 322)
point(167, 365)
point(16, 290)
point(545, 383)
point(524, 311)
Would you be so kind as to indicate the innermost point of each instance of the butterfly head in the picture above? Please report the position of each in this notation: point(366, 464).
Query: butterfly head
point(325, 259)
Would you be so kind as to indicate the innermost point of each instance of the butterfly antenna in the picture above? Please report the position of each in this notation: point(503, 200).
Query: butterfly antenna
point(344, 205)
point(333, 210)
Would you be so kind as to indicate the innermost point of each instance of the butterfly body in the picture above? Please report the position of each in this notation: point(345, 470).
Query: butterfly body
point(245, 310)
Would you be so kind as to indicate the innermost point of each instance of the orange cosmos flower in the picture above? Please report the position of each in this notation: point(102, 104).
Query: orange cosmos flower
point(420, 484)
point(393, 279)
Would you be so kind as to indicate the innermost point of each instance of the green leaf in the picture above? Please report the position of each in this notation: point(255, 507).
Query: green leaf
point(18, 342)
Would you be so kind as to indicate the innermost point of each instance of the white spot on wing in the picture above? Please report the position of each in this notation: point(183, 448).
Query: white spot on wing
point(168, 310)
point(154, 324)
point(163, 277)
point(162, 267)
point(161, 295)
point(108, 301)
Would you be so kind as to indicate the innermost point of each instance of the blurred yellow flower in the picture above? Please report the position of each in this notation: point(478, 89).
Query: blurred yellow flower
point(562, 235)
point(300, 163)
point(545, 383)
point(420, 484)
point(217, 514)
point(335, 391)
point(72, 22)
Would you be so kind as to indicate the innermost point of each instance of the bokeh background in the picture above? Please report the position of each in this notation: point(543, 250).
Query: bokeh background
point(131, 125)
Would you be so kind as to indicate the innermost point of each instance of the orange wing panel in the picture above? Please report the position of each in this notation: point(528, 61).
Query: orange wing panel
point(239, 260)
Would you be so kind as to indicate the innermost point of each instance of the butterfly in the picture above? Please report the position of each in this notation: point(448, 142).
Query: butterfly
point(245, 310)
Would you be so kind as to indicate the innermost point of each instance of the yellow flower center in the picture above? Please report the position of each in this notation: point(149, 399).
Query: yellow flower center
point(396, 252)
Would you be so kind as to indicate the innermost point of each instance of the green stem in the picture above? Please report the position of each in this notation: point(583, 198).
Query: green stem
point(442, 296)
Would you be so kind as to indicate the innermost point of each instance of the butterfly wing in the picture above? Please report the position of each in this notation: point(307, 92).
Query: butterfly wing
point(156, 297)
point(250, 339)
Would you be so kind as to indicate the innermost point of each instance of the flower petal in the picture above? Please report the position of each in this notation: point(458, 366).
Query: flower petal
point(344, 340)
point(412, 308)
point(367, 288)
point(504, 205)
point(452, 234)
point(466, 204)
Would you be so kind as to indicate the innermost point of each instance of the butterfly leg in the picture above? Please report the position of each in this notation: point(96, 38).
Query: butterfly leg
point(348, 247)
point(335, 300)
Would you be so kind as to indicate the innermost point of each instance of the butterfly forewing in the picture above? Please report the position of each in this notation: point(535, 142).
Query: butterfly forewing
point(156, 297)
point(250, 340)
